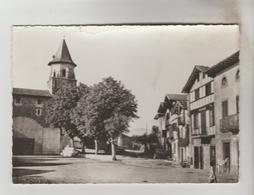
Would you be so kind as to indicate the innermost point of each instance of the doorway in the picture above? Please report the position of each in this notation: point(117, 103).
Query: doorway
point(226, 154)
point(203, 122)
point(198, 157)
point(212, 154)
point(23, 146)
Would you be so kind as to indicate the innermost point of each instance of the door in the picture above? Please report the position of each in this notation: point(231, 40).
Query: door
point(201, 157)
point(212, 154)
point(203, 122)
point(196, 157)
point(226, 154)
point(182, 155)
point(23, 146)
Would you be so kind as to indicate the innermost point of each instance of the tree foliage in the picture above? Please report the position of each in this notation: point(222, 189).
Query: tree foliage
point(102, 111)
point(59, 109)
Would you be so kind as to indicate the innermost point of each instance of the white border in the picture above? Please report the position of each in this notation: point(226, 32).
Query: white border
point(125, 11)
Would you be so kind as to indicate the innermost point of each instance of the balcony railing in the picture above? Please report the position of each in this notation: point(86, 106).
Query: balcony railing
point(207, 132)
point(230, 124)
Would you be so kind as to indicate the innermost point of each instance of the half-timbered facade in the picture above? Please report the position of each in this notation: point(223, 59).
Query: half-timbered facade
point(200, 90)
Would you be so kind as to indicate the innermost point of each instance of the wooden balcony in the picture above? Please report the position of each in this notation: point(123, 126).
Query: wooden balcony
point(230, 124)
point(209, 131)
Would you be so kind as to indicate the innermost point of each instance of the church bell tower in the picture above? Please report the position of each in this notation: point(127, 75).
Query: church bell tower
point(62, 69)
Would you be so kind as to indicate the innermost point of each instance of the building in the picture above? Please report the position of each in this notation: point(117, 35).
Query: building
point(173, 119)
point(200, 90)
point(161, 118)
point(31, 134)
point(178, 126)
point(226, 76)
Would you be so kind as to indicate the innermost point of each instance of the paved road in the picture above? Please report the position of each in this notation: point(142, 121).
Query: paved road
point(100, 169)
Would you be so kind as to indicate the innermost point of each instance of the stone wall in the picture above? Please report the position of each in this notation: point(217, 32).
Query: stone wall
point(45, 140)
point(27, 108)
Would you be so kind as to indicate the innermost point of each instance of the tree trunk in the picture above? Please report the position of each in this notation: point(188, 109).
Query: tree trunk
point(72, 143)
point(113, 150)
point(83, 147)
point(96, 146)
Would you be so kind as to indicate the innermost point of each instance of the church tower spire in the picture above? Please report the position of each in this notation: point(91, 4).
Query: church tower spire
point(62, 69)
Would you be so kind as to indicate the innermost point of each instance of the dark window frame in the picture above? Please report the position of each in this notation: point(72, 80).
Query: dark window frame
point(224, 82)
point(38, 111)
point(211, 117)
point(63, 71)
point(237, 104)
point(17, 100)
point(39, 101)
point(237, 75)
point(224, 108)
point(196, 94)
point(195, 121)
point(208, 89)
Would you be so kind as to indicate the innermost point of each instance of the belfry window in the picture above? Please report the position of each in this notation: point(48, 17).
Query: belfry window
point(63, 73)
point(38, 111)
point(39, 102)
point(17, 101)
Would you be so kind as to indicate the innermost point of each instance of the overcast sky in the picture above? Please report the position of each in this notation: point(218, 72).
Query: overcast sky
point(151, 61)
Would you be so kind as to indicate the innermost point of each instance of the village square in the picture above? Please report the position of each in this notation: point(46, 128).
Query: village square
point(75, 132)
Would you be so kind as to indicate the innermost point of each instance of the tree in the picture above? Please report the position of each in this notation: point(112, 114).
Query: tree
point(113, 107)
point(78, 114)
point(149, 139)
point(61, 108)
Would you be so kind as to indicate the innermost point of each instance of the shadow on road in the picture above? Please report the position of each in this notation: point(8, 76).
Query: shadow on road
point(25, 162)
point(16, 172)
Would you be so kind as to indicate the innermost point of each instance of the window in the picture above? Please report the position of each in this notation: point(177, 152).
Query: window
point(237, 75)
point(224, 82)
point(203, 75)
point(224, 109)
point(198, 77)
point(63, 73)
point(237, 104)
point(208, 89)
point(17, 101)
point(54, 74)
point(195, 120)
point(164, 133)
point(38, 111)
point(196, 94)
point(211, 117)
point(39, 101)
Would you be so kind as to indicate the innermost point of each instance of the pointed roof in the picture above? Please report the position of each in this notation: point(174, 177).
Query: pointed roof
point(62, 55)
point(224, 64)
point(193, 77)
point(180, 98)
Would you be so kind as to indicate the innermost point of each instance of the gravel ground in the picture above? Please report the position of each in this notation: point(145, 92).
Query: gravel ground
point(100, 169)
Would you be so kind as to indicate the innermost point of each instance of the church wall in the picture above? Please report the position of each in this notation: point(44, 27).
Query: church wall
point(27, 107)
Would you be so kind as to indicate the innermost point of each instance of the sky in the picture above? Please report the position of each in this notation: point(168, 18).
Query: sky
point(151, 61)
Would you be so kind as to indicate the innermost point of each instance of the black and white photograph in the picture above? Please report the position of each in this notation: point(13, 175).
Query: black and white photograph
point(101, 104)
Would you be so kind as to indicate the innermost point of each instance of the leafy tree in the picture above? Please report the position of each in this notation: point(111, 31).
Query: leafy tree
point(112, 108)
point(78, 114)
point(149, 139)
point(62, 106)
point(59, 108)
